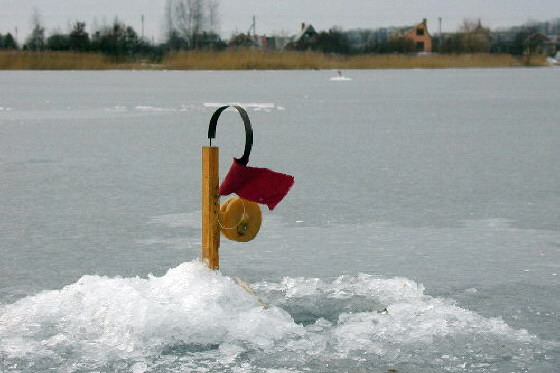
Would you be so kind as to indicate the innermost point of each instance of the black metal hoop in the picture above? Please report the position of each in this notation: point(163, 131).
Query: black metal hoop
point(248, 130)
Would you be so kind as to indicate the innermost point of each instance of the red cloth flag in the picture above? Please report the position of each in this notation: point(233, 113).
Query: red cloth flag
point(256, 184)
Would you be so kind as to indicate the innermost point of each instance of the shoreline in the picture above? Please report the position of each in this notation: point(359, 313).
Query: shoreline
point(258, 60)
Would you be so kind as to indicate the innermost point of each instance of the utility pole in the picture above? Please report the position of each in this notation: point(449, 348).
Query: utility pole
point(253, 29)
point(142, 27)
point(440, 35)
point(16, 36)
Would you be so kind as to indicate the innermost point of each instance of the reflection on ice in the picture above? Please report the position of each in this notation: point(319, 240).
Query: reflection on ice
point(256, 106)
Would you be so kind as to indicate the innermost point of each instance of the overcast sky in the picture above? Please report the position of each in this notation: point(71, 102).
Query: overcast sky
point(280, 16)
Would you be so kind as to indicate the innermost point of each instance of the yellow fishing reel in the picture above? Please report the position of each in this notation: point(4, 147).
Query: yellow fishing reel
point(240, 219)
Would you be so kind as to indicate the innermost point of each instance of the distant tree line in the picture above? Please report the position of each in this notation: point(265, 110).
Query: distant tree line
point(118, 40)
point(331, 41)
point(194, 25)
point(8, 42)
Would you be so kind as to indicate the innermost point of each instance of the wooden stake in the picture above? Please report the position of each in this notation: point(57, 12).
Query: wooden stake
point(210, 207)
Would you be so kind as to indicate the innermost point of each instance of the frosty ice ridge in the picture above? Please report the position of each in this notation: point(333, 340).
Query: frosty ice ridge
point(194, 318)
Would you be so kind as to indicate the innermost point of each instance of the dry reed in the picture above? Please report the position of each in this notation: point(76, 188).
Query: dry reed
point(251, 59)
point(243, 60)
point(15, 60)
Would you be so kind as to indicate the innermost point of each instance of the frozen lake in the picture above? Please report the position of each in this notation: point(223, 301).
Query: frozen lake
point(432, 193)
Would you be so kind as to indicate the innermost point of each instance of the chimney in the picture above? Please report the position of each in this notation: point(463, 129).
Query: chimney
point(424, 21)
point(302, 26)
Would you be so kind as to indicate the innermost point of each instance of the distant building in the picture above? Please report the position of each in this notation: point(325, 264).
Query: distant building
point(306, 35)
point(304, 39)
point(503, 41)
point(420, 37)
point(538, 43)
point(277, 43)
point(555, 39)
point(261, 42)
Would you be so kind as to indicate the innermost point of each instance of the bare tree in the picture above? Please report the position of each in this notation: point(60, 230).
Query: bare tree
point(475, 37)
point(190, 18)
point(36, 41)
point(168, 20)
point(214, 16)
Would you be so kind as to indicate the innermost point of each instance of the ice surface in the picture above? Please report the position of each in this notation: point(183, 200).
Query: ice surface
point(188, 219)
point(194, 318)
point(446, 178)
